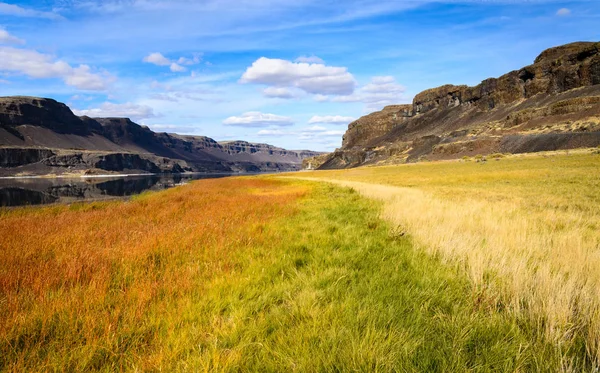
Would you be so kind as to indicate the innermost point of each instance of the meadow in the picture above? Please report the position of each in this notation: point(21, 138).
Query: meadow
point(426, 267)
point(525, 229)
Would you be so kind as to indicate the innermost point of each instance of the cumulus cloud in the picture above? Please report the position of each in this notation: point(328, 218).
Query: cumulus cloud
point(157, 59)
point(176, 66)
point(126, 110)
point(278, 92)
point(38, 65)
point(258, 119)
point(311, 78)
point(381, 91)
point(6, 38)
point(310, 59)
point(330, 119)
point(563, 12)
point(15, 10)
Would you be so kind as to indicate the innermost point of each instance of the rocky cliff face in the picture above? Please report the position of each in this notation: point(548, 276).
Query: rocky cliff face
point(40, 136)
point(19, 111)
point(549, 103)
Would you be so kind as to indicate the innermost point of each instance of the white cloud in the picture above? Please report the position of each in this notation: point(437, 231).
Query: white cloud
point(278, 92)
point(163, 126)
point(380, 92)
point(258, 119)
point(333, 133)
point(173, 128)
point(314, 133)
point(196, 59)
point(332, 119)
point(38, 65)
point(176, 68)
point(83, 78)
point(163, 97)
point(310, 59)
point(272, 132)
point(311, 78)
point(15, 10)
point(157, 59)
point(127, 110)
point(563, 12)
point(307, 133)
point(6, 38)
point(315, 129)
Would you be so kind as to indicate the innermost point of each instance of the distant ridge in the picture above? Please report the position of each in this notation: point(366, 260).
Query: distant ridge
point(43, 136)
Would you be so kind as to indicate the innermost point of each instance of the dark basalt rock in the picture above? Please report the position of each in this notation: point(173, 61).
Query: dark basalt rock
point(559, 93)
point(44, 112)
point(17, 157)
point(41, 135)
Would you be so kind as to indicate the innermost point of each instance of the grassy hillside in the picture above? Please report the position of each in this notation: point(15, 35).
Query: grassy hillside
point(275, 274)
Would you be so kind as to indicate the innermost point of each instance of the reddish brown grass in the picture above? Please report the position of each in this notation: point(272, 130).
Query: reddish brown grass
point(75, 274)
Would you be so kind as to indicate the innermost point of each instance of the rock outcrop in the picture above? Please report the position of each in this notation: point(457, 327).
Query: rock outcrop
point(549, 105)
point(41, 136)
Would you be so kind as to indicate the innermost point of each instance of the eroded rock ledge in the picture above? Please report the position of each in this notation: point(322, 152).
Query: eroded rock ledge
point(549, 105)
point(42, 136)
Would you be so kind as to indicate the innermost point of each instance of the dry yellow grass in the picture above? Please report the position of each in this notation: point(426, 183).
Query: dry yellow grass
point(527, 231)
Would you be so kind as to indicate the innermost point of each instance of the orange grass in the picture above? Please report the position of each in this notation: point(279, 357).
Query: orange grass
point(88, 285)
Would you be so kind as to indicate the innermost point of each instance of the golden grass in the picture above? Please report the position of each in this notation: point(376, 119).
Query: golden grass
point(86, 276)
point(525, 229)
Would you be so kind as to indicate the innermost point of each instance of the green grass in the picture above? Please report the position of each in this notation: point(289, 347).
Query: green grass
point(524, 228)
point(339, 293)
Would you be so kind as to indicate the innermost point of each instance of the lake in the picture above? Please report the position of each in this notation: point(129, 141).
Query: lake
point(38, 191)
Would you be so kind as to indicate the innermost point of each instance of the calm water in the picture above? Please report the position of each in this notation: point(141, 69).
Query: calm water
point(18, 192)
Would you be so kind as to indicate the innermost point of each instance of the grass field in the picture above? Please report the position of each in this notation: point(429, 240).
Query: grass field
point(525, 229)
point(443, 272)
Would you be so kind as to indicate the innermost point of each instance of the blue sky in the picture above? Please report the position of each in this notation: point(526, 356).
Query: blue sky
point(288, 73)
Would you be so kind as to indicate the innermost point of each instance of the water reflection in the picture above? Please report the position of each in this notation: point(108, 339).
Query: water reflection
point(18, 192)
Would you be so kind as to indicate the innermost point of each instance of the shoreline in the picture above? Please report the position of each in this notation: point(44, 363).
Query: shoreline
point(109, 176)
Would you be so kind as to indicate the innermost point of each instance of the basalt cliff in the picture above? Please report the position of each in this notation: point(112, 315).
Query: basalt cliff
point(42, 136)
point(552, 104)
